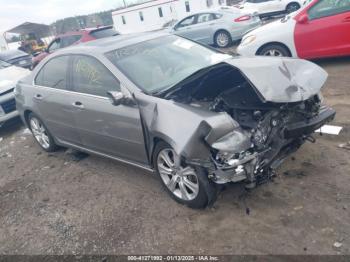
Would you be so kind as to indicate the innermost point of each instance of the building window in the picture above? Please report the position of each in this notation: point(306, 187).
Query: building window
point(160, 11)
point(141, 16)
point(221, 2)
point(188, 9)
point(209, 3)
point(123, 20)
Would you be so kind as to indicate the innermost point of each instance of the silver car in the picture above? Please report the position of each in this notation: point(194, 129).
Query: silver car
point(196, 117)
point(219, 28)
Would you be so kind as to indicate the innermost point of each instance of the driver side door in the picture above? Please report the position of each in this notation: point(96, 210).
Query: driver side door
point(185, 27)
point(104, 128)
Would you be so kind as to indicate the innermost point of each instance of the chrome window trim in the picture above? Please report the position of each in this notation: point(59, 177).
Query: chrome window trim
point(70, 92)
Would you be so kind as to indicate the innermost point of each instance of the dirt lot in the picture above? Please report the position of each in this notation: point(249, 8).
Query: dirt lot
point(54, 204)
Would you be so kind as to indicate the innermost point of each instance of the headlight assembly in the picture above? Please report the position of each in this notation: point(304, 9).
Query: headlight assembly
point(248, 40)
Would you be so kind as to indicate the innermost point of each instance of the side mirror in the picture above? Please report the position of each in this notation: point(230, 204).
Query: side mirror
point(303, 19)
point(117, 98)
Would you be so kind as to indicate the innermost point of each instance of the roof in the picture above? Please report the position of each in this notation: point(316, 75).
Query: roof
point(40, 30)
point(107, 44)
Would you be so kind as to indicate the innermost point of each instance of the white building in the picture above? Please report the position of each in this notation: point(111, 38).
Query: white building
point(154, 14)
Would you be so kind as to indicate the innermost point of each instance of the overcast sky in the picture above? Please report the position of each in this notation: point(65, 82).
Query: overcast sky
point(15, 12)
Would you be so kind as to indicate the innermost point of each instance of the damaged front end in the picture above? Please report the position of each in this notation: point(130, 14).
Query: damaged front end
point(274, 106)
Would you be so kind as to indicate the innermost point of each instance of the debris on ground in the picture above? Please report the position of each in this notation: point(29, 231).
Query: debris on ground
point(345, 145)
point(26, 132)
point(298, 208)
point(337, 245)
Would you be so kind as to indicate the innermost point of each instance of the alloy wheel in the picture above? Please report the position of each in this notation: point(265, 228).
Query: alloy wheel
point(293, 7)
point(182, 181)
point(222, 39)
point(273, 52)
point(39, 132)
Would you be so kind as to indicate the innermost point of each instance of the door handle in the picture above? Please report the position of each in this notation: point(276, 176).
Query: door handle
point(78, 105)
point(38, 97)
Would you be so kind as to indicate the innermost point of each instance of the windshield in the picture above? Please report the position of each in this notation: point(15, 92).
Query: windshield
point(4, 64)
point(159, 64)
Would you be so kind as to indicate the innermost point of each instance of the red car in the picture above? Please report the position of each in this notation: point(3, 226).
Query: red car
point(73, 38)
point(320, 29)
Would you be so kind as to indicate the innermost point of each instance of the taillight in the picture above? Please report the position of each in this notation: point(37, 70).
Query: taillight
point(243, 18)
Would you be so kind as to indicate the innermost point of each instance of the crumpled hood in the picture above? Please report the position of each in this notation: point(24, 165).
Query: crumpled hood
point(9, 77)
point(281, 80)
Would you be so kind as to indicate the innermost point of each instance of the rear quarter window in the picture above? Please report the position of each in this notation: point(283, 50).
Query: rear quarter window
point(104, 33)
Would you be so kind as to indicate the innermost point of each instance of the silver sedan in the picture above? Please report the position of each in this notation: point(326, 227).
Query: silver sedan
point(219, 28)
point(195, 116)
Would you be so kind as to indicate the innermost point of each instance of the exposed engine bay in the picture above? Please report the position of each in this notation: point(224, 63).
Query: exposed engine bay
point(270, 131)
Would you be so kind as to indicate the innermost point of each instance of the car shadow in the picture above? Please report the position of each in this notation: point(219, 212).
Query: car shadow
point(10, 127)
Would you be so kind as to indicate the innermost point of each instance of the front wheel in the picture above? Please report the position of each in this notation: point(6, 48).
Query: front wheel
point(274, 50)
point(185, 184)
point(222, 39)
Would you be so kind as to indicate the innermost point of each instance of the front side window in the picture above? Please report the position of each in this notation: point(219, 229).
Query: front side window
point(91, 77)
point(160, 63)
point(326, 8)
point(186, 22)
point(54, 73)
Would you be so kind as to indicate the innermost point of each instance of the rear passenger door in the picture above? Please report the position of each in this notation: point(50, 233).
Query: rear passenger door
point(103, 127)
point(203, 31)
point(53, 100)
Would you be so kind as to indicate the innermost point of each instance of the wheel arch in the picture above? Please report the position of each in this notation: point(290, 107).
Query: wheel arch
point(273, 43)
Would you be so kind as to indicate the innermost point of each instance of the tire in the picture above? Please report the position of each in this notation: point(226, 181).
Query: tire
point(292, 7)
point(204, 191)
point(41, 134)
point(222, 39)
point(274, 50)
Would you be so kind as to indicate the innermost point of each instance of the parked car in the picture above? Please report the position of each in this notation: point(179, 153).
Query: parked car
point(219, 27)
point(17, 58)
point(267, 8)
point(9, 75)
point(195, 116)
point(73, 38)
point(320, 29)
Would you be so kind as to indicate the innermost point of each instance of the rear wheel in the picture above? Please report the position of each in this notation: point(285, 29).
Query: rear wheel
point(222, 39)
point(292, 7)
point(274, 50)
point(41, 134)
point(185, 184)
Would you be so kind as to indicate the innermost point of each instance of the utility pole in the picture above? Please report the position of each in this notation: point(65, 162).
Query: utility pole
point(124, 3)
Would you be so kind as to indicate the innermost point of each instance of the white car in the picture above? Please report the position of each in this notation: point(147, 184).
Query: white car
point(319, 29)
point(9, 76)
point(267, 8)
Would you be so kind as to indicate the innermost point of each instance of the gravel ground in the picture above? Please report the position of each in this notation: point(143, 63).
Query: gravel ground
point(63, 204)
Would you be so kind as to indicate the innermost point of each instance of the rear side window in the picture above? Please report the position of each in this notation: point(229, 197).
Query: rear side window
point(54, 73)
point(69, 40)
point(326, 8)
point(105, 32)
point(91, 77)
